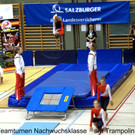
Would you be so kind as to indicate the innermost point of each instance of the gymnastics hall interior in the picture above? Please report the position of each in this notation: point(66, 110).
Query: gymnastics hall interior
point(57, 86)
point(69, 77)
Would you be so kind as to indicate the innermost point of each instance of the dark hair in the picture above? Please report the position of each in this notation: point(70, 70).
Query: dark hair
point(16, 49)
point(94, 46)
point(103, 78)
point(57, 35)
point(91, 25)
point(133, 23)
point(96, 100)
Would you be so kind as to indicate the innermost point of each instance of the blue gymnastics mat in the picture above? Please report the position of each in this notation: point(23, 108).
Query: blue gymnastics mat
point(78, 80)
point(34, 128)
point(117, 74)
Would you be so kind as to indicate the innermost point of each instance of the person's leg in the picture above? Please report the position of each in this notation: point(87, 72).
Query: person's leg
point(22, 92)
point(57, 36)
point(106, 102)
point(95, 120)
point(96, 80)
point(100, 125)
point(23, 79)
point(103, 106)
point(102, 102)
point(56, 41)
point(18, 87)
point(1, 79)
point(96, 76)
point(92, 83)
point(106, 115)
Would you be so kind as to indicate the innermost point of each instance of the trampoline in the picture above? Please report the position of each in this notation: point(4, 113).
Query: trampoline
point(78, 80)
point(52, 99)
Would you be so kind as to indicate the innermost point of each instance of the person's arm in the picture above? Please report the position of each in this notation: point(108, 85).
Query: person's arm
point(90, 62)
point(103, 118)
point(110, 96)
point(17, 65)
point(109, 92)
point(54, 29)
point(87, 36)
point(93, 39)
point(95, 36)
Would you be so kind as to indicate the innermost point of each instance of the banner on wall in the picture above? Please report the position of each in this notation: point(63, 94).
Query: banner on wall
point(10, 38)
point(6, 11)
point(78, 13)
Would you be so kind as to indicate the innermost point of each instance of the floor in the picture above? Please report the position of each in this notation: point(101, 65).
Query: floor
point(122, 119)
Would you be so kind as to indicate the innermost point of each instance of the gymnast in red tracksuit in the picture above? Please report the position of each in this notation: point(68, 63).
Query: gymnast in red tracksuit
point(105, 95)
point(20, 75)
point(92, 66)
point(97, 117)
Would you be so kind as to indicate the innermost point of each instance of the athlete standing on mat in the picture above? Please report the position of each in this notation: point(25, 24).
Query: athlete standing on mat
point(20, 75)
point(98, 120)
point(92, 66)
point(105, 95)
point(58, 28)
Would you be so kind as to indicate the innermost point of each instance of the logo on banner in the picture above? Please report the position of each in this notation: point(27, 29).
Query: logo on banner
point(6, 25)
point(56, 9)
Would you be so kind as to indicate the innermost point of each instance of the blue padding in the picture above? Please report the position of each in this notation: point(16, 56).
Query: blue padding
point(23, 102)
point(129, 56)
point(109, 56)
point(84, 67)
point(82, 56)
point(55, 57)
point(117, 73)
point(28, 58)
point(85, 102)
point(114, 79)
point(45, 76)
point(104, 56)
point(34, 104)
point(36, 128)
point(78, 80)
point(17, 103)
point(105, 67)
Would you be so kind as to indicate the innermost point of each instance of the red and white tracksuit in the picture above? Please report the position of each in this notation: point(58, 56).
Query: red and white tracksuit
point(97, 114)
point(20, 82)
point(92, 66)
point(105, 91)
